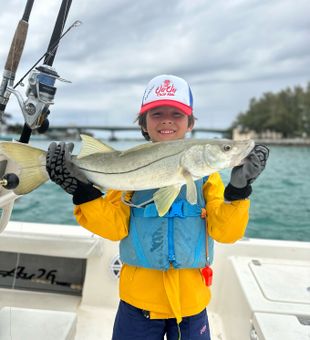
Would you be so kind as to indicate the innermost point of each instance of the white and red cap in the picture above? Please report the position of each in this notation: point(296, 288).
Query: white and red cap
point(167, 90)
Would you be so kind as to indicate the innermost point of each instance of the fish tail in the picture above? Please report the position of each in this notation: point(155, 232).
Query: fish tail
point(30, 163)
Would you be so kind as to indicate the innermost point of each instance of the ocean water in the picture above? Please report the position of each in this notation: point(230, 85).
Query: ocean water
point(280, 207)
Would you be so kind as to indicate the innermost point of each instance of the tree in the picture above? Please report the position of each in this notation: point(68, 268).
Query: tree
point(287, 112)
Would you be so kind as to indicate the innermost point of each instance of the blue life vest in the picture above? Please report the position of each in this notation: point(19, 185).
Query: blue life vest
point(178, 238)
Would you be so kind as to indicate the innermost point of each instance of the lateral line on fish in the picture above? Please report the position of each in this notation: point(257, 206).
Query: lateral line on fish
point(128, 171)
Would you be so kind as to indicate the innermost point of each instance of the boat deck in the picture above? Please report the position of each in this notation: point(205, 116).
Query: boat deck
point(261, 288)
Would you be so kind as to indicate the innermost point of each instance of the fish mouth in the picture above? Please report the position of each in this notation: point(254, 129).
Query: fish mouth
point(242, 156)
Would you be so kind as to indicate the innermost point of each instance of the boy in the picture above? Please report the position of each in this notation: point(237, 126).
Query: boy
point(156, 301)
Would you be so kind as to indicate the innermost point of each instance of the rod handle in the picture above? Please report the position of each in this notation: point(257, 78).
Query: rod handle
point(17, 46)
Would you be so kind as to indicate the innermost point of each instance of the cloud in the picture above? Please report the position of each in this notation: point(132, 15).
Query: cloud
point(229, 51)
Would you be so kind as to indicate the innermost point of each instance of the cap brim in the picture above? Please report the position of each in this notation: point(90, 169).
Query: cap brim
point(184, 108)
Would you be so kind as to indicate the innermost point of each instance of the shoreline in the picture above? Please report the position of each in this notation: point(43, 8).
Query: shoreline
point(284, 142)
point(267, 141)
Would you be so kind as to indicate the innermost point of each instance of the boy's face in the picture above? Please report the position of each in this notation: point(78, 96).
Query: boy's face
point(166, 123)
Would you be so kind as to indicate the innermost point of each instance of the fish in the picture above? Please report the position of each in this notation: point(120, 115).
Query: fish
point(165, 166)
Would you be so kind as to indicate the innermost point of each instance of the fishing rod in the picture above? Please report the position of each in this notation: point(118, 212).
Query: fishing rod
point(41, 89)
point(10, 181)
point(14, 56)
point(40, 94)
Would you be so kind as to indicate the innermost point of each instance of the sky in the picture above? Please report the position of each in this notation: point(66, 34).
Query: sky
point(229, 51)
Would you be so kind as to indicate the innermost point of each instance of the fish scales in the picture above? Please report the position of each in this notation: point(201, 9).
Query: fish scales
point(149, 176)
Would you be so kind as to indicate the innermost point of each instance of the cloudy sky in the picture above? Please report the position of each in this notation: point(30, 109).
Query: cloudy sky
point(228, 50)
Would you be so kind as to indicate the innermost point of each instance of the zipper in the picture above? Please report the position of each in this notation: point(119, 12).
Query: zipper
point(171, 254)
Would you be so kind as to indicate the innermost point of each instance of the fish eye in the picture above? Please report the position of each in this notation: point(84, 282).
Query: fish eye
point(227, 147)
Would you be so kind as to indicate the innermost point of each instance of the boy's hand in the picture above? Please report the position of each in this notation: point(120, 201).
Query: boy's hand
point(243, 175)
point(252, 167)
point(63, 172)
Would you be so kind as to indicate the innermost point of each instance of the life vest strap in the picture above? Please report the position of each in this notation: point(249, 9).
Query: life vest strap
point(180, 208)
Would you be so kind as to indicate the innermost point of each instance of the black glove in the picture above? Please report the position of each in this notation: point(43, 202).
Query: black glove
point(243, 175)
point(65, 173)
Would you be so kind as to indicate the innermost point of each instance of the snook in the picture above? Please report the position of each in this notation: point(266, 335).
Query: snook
point(163, 165)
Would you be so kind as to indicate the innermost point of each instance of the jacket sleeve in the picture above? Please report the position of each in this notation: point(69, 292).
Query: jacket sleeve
point(105, 216)
point(226, 221)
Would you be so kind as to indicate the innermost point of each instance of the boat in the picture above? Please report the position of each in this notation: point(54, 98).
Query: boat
point(66, 286)
point(61, 282)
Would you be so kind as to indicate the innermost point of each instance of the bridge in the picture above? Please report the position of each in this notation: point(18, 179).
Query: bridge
point(113, 129)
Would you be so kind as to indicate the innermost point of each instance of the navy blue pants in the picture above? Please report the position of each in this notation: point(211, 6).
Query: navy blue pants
point(132, 323)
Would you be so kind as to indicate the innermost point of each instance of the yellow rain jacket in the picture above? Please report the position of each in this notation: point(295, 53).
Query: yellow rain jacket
point(174, 293)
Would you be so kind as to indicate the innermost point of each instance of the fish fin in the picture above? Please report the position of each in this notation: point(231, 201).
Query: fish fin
point(31, 163)
point(92, 145)
point(164, 197)
point(191, 191)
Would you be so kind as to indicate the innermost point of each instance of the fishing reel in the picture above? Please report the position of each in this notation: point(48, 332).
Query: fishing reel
point(40, 95)
point(9, 181)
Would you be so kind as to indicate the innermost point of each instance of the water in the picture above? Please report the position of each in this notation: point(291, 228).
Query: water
point(280, 206)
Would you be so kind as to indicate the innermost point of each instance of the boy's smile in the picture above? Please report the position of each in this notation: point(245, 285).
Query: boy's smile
point(166, 123)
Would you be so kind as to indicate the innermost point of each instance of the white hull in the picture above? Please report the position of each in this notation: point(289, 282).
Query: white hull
point(260, 287)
